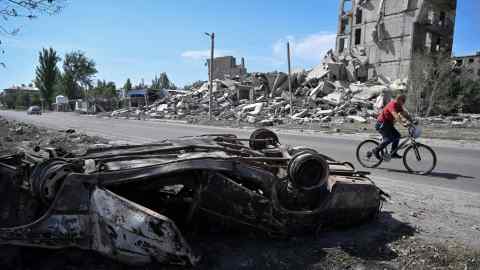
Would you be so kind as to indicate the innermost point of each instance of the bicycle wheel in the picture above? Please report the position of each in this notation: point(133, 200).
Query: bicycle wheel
point(365, 155)
point(419, 159)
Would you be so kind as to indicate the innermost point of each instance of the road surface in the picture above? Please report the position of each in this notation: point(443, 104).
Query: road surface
point(458, 167)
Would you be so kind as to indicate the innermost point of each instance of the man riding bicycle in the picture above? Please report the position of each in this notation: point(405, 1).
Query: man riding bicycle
point(392, 113)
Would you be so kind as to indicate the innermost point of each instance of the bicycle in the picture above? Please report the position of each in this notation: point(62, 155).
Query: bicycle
point(415, 154)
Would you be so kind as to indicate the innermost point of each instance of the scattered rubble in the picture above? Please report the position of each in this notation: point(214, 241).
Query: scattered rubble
point(329, 92)
point(18, 136)
point(333, 93)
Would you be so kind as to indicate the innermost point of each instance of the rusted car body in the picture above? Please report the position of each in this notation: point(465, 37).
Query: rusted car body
point(130, 203)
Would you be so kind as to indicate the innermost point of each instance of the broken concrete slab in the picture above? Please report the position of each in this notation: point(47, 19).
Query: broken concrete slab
point(357, 118)
point(253, 109)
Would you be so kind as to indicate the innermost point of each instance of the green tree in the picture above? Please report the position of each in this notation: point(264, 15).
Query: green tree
point(465, 95)
point(23, 100)
point(128, 85)
point(36, 100)
point(69, 87)
point(104, 89)
point(47, 74)
point(430, 80)
point(10, 100)
point(194, 85)
point(78, 72)
point(162, 82)
point(30, 9)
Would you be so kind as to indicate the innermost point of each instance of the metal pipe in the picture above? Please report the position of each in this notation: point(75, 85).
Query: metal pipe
point(210, 77)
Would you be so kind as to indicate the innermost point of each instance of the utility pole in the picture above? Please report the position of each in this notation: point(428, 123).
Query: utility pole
point(146, 97)
point(290, 79)
point(210, 73)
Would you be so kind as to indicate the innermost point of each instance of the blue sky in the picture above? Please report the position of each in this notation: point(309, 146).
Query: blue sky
point(139, 39)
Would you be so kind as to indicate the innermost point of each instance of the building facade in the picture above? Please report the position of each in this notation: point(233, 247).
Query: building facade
point(391, 32)
point(10, 96)
point(469, 65)
point(226, 67)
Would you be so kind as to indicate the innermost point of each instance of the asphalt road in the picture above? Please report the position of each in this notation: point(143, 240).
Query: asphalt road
point(458, 166)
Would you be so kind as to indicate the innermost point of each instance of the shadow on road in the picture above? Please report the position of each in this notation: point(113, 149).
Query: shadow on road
point(359, 245)
point(444, 175)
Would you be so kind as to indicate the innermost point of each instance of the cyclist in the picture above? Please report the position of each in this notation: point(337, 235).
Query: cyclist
point(393, 112)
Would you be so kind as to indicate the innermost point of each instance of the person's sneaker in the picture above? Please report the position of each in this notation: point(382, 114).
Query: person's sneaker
point(396, 156)
point(376, 152)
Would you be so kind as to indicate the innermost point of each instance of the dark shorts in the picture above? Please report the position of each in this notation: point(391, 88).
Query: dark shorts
point(389, 133)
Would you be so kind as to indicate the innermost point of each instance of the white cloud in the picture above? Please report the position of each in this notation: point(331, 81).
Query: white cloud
point(311, 48)
point(204, 54)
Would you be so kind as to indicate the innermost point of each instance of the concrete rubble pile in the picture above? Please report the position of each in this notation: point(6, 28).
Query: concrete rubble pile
point(334, 91)
point(460, 120)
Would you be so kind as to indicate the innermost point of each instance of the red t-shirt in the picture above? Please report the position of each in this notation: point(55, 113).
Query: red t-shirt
point(386, 115)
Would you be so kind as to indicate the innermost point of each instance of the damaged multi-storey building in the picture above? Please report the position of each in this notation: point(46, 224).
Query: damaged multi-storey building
point(226, 67)
point(469, 65)
point(388, 33)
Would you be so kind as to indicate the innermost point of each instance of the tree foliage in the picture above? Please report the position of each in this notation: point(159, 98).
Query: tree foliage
point(35, 100)
point(194, 85)
point(430, 78)
point(104, 89)
point(47, 74)
point(20, 100)
point(78, 73)
point(128, 85)
point(162, 82)
point(29, 9)
point(23, 100)
point(69, 87)
point(465, 93)
point(10, 100)
point(434, 87)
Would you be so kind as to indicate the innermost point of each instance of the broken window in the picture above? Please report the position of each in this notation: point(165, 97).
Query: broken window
point(428, 41)
point(345, 26)
point(431, 16)
point(471, 60)
point(358, 16)
point(438, 45)
point(442, 18)
point(342, 45)
point(347, 6)
point(459, 62)
point(358, 36)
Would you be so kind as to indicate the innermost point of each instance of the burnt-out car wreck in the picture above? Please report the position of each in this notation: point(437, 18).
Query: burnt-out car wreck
point(132, 203)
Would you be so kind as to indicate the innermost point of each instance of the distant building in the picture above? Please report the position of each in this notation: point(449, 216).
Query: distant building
point(17, 89)
point(390, 32)
point(226, 67)
point(469, 65)
point(9, 95)
point(61, 104)
point(146, 96)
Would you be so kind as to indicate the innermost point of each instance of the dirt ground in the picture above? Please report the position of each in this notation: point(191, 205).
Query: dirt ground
point(421, 227)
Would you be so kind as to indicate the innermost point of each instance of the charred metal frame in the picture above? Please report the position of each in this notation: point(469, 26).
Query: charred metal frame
point(247, 188)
